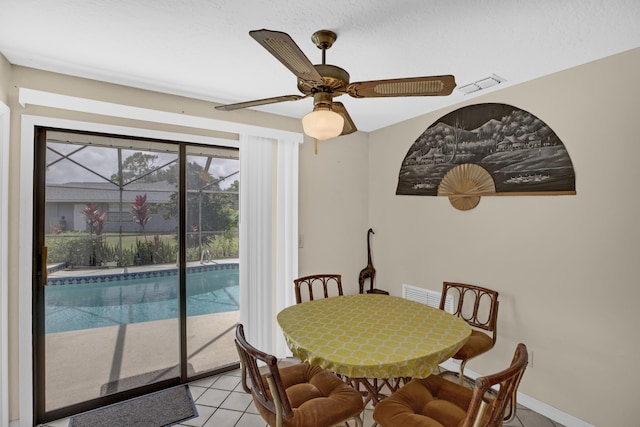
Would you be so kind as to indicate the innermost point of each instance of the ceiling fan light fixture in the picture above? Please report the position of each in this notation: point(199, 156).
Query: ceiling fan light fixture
point(322, 124)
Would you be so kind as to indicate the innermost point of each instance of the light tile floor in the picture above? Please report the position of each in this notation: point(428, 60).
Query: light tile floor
point(221, 402)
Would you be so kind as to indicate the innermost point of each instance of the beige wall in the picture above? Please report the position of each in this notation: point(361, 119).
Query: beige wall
point(333, 216)
point(5, 75)
point(91, 89)
point(565, 266)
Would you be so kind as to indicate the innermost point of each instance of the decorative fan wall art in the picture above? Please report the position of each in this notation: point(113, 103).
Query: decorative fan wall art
point(483, 150)
point(464, 184)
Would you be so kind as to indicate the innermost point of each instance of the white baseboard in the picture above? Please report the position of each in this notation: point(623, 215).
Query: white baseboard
point(535, 405)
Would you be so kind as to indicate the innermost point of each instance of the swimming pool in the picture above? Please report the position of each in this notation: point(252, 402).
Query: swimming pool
point(96, 301)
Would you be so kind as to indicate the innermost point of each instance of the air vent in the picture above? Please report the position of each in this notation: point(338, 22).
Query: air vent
point(426, 296)
point(481, 84)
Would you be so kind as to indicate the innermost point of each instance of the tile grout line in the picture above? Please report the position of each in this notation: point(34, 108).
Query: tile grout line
point(516, 422)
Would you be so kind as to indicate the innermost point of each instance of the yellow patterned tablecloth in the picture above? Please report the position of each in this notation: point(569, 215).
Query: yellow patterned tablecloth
point(372, 336)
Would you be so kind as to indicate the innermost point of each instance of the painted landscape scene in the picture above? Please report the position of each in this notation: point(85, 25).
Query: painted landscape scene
point(520, 152)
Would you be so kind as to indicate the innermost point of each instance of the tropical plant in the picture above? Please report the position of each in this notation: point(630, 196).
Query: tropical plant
point(209, 208)
point(141, 211)
point(94, 217)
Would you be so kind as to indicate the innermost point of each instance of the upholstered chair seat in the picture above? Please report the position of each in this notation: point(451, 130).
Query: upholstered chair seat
point(437, 402)
point(477, 344)
point(295, 394)
point(317, 397)
point(429, 402)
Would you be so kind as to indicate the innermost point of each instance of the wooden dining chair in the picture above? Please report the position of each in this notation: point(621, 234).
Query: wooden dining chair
point(298, 395)
point(331, 285)
point(477, 306)
point(431, 401)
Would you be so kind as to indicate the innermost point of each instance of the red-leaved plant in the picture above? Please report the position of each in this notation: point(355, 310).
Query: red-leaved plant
point(94, 217)
point(141, 211)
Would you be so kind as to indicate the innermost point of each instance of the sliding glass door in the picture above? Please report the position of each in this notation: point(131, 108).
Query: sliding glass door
point(136, 254)
point(212, 287)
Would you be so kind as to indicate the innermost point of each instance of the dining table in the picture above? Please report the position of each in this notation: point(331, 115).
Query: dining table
point(372, 340)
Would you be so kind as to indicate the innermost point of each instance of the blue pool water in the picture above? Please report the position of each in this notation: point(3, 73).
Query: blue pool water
point(133, 299)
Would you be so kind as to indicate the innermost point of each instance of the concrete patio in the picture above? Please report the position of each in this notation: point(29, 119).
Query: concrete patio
point(88, 363)
point(85, 364)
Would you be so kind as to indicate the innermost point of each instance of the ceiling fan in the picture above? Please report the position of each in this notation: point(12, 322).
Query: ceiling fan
point(324, 82)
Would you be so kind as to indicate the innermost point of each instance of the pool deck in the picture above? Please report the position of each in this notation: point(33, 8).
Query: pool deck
point(56, 271)
point(88, 363)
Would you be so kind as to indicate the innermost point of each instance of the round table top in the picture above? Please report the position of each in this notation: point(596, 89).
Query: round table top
point(371, 335)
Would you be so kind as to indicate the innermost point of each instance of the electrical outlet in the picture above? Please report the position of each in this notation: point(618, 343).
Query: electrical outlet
point(530, 358)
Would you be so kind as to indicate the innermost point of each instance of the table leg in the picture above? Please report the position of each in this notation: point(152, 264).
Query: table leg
point(374, 389)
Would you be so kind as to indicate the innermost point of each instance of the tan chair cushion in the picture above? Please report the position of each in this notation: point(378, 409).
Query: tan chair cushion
point(318, 397)
point(428, 402)
point(477, 343)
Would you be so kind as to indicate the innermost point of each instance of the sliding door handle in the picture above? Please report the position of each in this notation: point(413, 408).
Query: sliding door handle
point(43, 265)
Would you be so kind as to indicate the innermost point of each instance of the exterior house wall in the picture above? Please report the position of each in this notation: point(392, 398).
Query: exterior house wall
point(56, 211)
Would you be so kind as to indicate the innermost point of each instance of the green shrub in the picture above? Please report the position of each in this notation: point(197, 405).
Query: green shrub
point(156, 251)
point(75, 248)
point(83, 250)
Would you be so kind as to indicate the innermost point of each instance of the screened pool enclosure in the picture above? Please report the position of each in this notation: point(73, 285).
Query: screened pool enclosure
point(138, 284)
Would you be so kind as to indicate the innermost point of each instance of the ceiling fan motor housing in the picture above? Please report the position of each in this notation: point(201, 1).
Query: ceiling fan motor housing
point(334, 80)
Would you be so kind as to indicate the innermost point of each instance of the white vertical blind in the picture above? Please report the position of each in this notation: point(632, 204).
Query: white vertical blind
point(287, 225)
point(268, 247)
point(256, 233)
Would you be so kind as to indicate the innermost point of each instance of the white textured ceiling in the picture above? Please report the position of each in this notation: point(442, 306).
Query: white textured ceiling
point(202, 49)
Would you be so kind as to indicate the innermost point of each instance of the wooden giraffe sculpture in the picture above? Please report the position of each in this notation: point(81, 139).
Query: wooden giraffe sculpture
point(368, 272)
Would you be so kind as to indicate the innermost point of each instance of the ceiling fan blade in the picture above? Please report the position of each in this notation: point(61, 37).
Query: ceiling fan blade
point(413, 86)
point(257, 102)
point(282, 46)
point(349, 126)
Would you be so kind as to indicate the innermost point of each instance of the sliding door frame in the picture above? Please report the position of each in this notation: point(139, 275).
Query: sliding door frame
point(39, 278)
point(33, 128)
point(29, 97)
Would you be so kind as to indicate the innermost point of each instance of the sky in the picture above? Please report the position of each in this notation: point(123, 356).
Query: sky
point(103, 161)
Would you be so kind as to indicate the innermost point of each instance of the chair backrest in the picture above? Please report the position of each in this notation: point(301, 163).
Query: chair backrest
point(272, 395)
point(315, 282)
point(490, 412)
point(476, 305)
